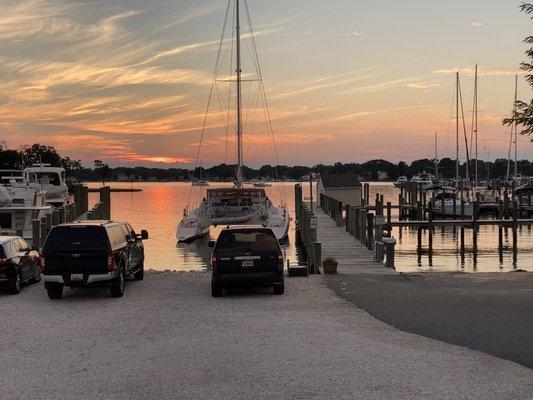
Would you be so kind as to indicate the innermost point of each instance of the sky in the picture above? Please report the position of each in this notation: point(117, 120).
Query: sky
point(128, 82)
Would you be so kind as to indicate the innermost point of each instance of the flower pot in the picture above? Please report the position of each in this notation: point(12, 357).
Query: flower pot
point(330, 267)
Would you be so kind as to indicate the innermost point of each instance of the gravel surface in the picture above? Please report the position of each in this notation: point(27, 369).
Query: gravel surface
point(168, 339)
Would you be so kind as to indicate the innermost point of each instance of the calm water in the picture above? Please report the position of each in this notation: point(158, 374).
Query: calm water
point(159, 207)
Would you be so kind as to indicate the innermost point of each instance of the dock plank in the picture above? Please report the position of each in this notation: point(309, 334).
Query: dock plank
point(352, 256)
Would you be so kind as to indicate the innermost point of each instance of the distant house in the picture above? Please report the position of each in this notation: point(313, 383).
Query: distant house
point(343, 187)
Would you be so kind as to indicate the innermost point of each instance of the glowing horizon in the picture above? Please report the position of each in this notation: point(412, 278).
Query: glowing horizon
point(349, 81)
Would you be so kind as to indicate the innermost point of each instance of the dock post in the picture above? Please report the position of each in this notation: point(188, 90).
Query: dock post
point(317, 250)
point(390, 243)
point(369, 230)
point(419, 241)
point(430, 232)
point(515, 234)
point(105, 200)
point(36, 234)
point(44, 233)
point(389, 218)
point(48, 223)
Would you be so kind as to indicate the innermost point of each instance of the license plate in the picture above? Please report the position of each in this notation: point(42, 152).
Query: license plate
point(76, 277)
point(247, 263)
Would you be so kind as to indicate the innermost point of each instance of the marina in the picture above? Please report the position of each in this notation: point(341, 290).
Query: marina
point(239, 199)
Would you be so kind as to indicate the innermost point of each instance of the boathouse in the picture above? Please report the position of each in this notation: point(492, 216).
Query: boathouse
point(342, 187)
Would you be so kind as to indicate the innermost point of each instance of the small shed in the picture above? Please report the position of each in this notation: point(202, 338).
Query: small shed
point(342, 187)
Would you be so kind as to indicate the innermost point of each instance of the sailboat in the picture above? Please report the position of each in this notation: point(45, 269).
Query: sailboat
point(200, 181)
point(236, 205)
point(516, 178)
point(448, 208)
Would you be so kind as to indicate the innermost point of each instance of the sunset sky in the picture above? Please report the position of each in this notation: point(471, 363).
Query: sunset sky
point(127, 82)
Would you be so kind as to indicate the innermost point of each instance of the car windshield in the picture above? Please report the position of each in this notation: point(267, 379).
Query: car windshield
point(77, 238)
point(263, 240)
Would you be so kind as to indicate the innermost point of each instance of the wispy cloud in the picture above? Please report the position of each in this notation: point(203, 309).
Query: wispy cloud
point(422, 85)
point(482, 71)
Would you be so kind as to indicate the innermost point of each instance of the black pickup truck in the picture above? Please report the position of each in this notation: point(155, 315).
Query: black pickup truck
point(92, 253)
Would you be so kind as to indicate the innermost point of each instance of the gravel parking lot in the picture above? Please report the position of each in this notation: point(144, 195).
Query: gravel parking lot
point(168, 339)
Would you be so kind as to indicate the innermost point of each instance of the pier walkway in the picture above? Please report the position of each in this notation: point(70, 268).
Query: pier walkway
point(353, 257)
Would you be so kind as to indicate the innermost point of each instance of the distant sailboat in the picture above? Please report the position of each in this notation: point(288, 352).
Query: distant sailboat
point(238, 204)
point(447, 203)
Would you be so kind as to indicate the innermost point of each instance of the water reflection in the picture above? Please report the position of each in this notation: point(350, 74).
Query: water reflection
point(159, 207)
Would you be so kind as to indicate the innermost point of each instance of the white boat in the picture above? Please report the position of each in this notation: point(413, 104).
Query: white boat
point(238, 204)
point(262, 184)
point(200, 182)
point(401, 181)
point(19, 206)
point(447, 197)
point(48, 179)
point(191, 228)
point(424, 180)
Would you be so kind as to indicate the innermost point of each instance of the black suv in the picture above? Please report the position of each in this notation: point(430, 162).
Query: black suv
point(91, 253)
point(246, 255)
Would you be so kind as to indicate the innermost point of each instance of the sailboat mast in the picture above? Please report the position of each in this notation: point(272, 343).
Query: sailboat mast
point(457, 131)
point(476, 125)
point(436, 159)
point(239, 96)
point(515, 129)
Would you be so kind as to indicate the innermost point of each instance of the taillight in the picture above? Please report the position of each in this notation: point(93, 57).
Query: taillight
point(214, 262)
point(4, 261)
point(280, 260)
point(42, 268)
point(110, 262)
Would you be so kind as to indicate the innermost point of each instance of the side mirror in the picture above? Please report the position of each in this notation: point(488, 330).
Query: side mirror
point(128, 237)
point(212, 243)
point(144, 234)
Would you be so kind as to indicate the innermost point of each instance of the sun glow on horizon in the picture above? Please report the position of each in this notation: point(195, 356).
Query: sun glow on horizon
point(129, 85)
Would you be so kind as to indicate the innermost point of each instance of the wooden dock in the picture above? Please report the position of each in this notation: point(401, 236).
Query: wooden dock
point(352, 255)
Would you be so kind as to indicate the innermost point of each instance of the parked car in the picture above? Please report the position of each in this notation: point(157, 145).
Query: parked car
point(92, 253)
point(246, 255)
point(18, 263)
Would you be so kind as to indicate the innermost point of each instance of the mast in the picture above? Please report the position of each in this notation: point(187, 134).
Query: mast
point(476, 126)
point(239, 182)
point(515, 129)
point(457, 131)
point(436, 159)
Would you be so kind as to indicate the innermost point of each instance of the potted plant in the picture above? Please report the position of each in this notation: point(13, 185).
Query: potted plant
point(330, 265)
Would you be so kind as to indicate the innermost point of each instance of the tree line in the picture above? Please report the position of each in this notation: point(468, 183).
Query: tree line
point(370, 170)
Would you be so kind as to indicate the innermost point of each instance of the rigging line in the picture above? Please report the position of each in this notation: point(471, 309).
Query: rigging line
point(209, 101)
point(256, 100)
point(469, 174)
point(267, 109)
point(222, 115)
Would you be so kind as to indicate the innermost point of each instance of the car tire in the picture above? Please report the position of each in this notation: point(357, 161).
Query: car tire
point(279, 288)
point(139, 275)
point(54, 290)
point(15, 284)
point(216, 290)
point(36, 278)
point(117, 285)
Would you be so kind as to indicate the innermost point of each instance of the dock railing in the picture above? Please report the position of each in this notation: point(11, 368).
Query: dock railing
point(72, 212)
point(369, 228)
point(306, 231)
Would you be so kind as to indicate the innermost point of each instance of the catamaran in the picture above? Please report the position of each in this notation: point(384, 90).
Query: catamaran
point(235, 205)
